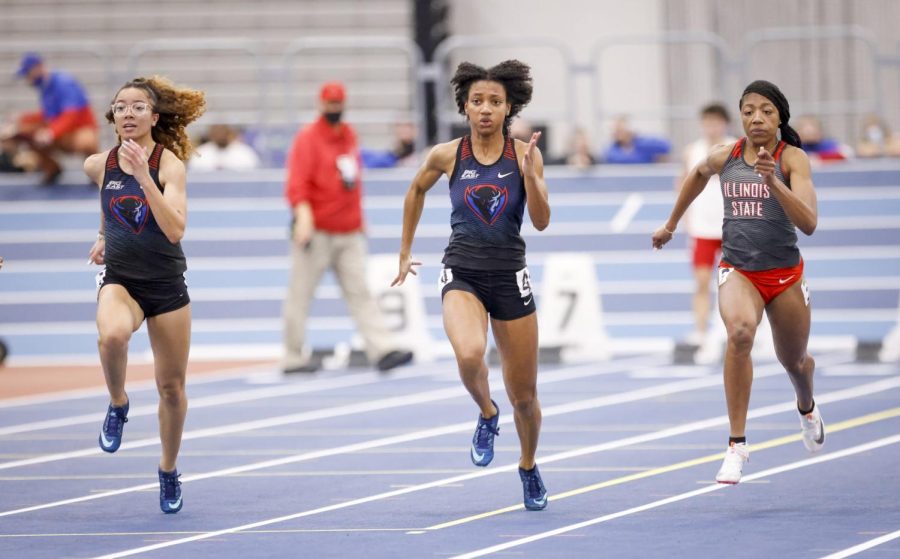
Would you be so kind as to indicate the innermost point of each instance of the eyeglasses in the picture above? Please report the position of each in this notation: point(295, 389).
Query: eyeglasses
point(137, 109)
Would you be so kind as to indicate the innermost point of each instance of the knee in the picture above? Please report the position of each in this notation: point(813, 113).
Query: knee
point(171, 392)
point(524, 401)
point(796, 363)
point(470, 360)
point(114, 339)
point(740, 336)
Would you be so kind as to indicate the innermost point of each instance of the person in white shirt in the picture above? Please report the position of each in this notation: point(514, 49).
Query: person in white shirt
point(224, 151)
point(705, 214)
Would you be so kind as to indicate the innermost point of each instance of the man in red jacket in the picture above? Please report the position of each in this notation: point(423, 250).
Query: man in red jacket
point(324, 191)
point(65, 122)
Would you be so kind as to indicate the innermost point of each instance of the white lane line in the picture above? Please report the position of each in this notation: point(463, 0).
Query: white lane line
point(243, 395)
point(704, 424)
point(879, 443)
point(630, 207)
point(559, 375)
point(850, 551)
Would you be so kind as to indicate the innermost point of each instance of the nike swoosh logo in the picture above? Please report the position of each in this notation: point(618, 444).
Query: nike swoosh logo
point(477, 457)
point(176, 504)
point(541, 501)
point(785, 280)
point(502, 175)
point(527, 302)
point(106, 442)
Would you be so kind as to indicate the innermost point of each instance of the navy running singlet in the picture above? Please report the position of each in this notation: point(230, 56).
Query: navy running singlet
point(488, 203)
point(756, 234)
point(136, 248)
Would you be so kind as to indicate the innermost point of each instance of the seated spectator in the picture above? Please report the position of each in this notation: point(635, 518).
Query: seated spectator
point(224, 150)
point(65, 122)
point(876, 139)
point(580, 151)
point(402, 154)
point(815, 144)
point(629, 147)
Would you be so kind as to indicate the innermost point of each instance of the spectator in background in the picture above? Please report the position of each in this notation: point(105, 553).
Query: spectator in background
point(224, 150)
point(629, 147)
point(580, 151)
point(704, 216)
point(14, 159)
point(402, 154)
point(816, 145)
point(65, 122)
point(876, 139)
point(324, 190)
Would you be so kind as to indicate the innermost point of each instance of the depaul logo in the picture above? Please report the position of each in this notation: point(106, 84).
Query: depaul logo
point(130, 211)
point(487, 201)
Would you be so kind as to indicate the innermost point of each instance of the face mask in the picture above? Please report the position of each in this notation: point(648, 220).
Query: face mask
point(333, 118)
point(38, 81)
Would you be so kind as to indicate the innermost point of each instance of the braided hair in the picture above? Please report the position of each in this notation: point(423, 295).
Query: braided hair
point(771, 92)
point(514, 76)
point(176, 106)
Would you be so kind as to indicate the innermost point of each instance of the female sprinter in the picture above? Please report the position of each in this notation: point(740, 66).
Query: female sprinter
point(767, 192)
point(492, 178)
point(144, 209)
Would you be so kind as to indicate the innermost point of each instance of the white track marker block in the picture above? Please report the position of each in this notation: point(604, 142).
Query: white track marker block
point(890, 346)
point(570, 315)
point(403, 307)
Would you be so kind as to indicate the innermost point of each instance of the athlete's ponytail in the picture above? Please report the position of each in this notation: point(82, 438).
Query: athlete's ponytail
point(176, 106)
point(771, 92)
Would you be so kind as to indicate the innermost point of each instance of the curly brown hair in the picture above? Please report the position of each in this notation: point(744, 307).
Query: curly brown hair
point(176, 106)
point(513, 75)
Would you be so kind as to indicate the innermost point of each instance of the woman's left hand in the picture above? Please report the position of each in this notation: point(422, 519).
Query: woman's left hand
point(528, 159)
point(137, 157)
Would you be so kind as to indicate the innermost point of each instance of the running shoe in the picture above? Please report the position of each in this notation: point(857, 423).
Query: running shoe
point(113, 425)
point(169, 492)
point(533, 488)
point(733, 465)
point(813, 429)
point(483, 440)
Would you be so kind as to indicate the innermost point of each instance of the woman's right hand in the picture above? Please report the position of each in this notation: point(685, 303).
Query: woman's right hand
point(662, 236)
point(406, 267)
point(97, 251)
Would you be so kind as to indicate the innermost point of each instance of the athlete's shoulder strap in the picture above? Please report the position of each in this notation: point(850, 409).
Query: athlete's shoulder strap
point(112, 160)
point(463, 152)
point(155, 156)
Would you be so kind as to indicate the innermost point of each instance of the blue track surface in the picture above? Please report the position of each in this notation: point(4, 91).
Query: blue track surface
point(357, 464)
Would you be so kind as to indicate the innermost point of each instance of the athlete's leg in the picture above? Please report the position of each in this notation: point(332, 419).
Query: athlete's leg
point(741, 307)
point(517, 341)
point(170, 339)
point(789, 315)
point(701, 300)
point(118, 316)
point(465, 321)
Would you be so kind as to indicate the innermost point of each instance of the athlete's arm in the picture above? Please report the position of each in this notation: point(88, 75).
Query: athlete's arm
point(798, 201)
point(694, 183)
point(169, 208)
point(93, 168)
point(535, 187)
point(439, 162)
